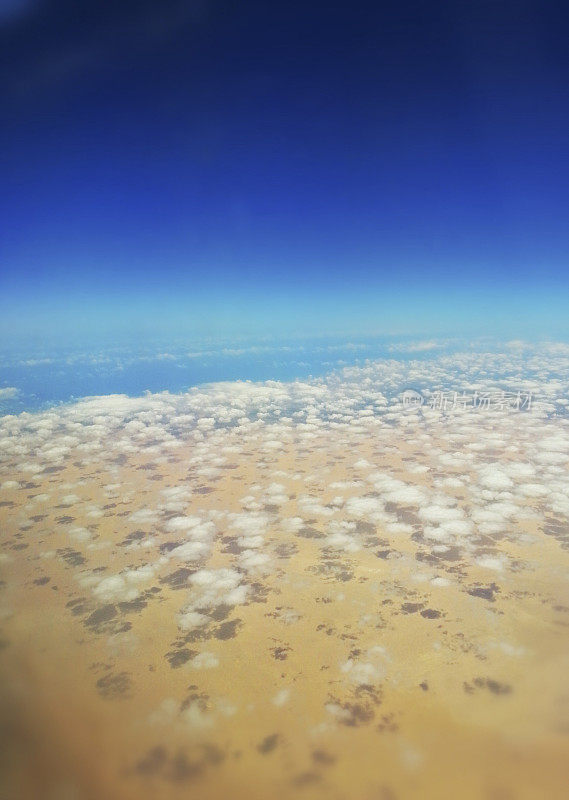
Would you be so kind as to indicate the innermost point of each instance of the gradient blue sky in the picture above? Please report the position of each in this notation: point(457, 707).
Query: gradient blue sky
point(279, 167)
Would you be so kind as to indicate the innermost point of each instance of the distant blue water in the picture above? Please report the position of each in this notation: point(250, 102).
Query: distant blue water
point(38, 375)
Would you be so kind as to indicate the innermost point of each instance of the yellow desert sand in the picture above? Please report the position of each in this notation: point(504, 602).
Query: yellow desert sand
point(274, 591)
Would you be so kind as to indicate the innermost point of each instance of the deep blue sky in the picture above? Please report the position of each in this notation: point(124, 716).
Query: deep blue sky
point(280, 166)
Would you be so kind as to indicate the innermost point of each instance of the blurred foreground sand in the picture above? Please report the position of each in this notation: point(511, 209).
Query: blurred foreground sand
point(373, 663)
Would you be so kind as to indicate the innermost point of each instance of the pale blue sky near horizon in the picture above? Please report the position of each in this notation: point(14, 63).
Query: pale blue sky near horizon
point(361, 306)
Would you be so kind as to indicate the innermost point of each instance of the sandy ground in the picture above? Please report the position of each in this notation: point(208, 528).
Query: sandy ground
point(374, 664)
